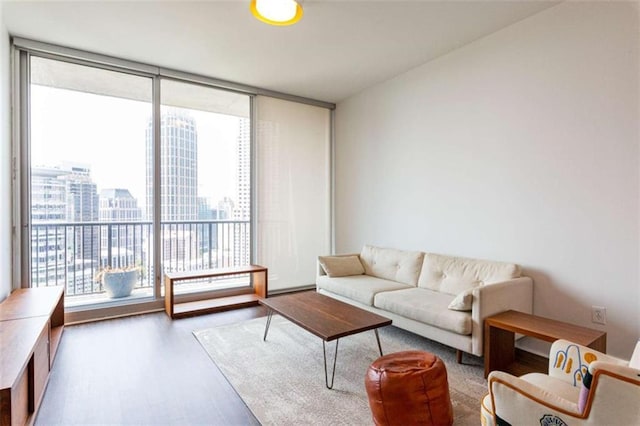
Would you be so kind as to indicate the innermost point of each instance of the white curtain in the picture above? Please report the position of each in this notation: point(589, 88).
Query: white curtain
point(292, 190)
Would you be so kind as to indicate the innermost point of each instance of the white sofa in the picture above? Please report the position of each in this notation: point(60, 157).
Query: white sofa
point(443, 298)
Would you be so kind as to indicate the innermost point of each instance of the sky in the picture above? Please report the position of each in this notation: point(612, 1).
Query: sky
point(108, 134)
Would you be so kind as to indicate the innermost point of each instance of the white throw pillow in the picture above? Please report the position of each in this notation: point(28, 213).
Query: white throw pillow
point(463, 301)
point(341, 266)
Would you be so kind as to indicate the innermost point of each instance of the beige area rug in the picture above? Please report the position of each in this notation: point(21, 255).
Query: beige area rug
point(282, 380)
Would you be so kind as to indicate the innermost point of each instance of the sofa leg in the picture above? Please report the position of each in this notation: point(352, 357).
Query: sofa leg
point(458, 356)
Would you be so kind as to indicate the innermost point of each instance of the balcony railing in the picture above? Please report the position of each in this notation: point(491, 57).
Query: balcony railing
point(72, 253)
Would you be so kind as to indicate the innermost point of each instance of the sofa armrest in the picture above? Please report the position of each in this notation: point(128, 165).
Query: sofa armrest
point(321, 270)
point(490, 299)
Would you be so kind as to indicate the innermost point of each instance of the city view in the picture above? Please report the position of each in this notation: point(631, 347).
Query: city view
point(92, 189)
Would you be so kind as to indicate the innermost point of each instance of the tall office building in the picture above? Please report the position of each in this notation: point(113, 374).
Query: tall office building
point(226, 209)
point(118, 205)
point(179, 166)
point(48, 206)
point(242, 211)
point(243, 171)
point(48, 195)
point(82, 206)
point(121, 238)
point(63, 200)
point(207, 233)
point(179, 184)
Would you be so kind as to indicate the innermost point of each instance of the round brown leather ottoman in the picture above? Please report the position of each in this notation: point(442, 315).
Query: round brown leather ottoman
point(409, 388)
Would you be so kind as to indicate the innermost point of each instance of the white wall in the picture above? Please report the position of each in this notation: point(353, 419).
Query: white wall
point(5, 169)
point(522, 147)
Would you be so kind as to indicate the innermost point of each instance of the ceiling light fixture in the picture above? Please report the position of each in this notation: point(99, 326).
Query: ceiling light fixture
point(277, 12)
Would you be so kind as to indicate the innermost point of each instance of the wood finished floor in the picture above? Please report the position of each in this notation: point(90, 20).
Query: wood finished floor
point(142, 370)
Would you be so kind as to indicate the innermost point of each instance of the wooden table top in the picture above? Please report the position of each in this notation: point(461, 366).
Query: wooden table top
point(26, 303)
point(324, 316)
point(542, 328)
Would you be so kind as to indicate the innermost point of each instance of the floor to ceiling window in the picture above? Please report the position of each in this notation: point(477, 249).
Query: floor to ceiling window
point(87, 178)
point(92, 177)
point(124, 167)
point(205, 173)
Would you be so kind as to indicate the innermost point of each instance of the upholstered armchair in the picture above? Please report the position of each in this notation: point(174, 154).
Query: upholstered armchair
point(583, 387)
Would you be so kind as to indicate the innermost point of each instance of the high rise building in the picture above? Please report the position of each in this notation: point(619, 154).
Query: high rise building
point(64, 209)
point(48, 195)
point(242, 211)
point(82, 206)
point(179, 184)
point(48, 205)
point(122, 237)
point(226, 207)
point(243, 171)
point(207, 232)
point(179, 166)
point(118, 205)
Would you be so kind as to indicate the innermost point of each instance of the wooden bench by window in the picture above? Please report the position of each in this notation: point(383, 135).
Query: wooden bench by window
point(214, 302)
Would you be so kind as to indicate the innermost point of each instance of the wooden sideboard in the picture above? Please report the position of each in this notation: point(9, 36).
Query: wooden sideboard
point(31, 325)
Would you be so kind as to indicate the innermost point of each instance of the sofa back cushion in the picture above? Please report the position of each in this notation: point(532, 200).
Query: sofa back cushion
point(453, 275)
point(390, 264)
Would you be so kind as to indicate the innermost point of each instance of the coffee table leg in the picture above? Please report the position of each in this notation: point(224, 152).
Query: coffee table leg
point(378, 340)
point(266, 328)
point(326, 373)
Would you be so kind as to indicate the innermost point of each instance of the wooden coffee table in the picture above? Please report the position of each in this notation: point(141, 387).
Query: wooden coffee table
point(325, 317)
point(499, 335)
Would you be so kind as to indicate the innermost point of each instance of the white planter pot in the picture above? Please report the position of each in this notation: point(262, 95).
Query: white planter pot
point(119, 284)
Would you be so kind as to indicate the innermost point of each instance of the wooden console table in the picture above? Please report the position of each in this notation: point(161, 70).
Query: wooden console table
point(499, 338)
point(31, 325)
point(241, 298)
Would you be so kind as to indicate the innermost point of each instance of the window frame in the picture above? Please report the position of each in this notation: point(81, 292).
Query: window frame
point(21, 52)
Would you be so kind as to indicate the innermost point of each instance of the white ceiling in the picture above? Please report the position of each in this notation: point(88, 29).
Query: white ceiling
point(338, 48)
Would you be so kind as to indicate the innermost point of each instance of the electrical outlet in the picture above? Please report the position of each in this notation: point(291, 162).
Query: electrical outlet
point(599, 314)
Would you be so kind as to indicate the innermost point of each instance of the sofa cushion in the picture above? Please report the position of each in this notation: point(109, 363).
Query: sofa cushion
point(453, 275)
point(341, 266)
point(390, 264)
point(361, 288)
point(427, 306)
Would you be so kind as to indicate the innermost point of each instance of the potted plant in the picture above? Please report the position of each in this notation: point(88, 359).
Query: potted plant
point(118, 282)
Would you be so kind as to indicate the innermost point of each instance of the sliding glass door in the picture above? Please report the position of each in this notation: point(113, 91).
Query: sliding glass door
point(93, 174)
point(88, 209)
point(124, 167)
point(205, 201)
